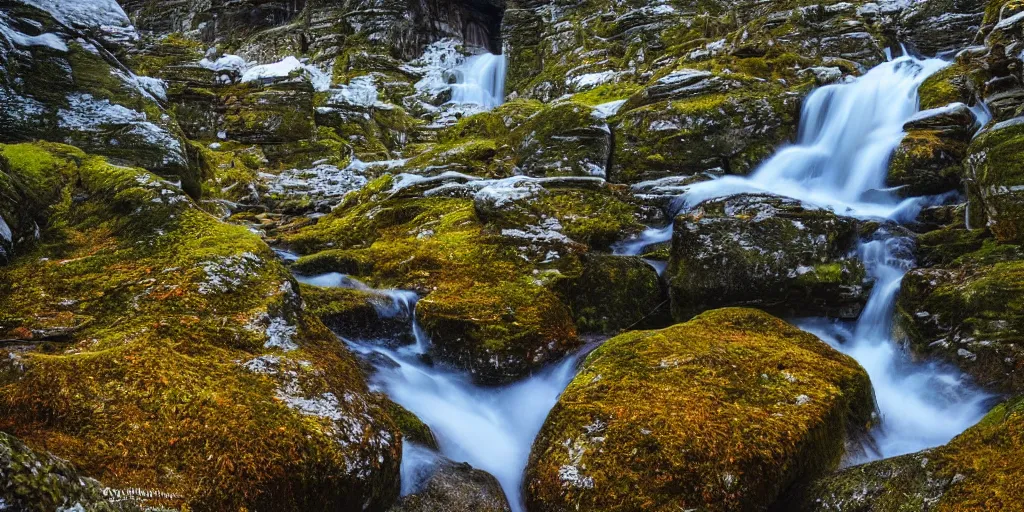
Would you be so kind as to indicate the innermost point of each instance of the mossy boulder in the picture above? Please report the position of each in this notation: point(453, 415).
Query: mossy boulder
point(498, 332)
point(485, 300)
point(995, 169)
point(564, 139)
point(168, 355)
point(724, 412)
point(926, 163)
point(39, 482)
point(454, 486)
point(767, 252)
point(970, 312)
point(357, 314)
point(614, 293)
point(977, 470)
point(726, 133)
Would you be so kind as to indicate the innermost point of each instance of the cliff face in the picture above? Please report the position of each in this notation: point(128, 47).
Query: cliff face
point(152, 152)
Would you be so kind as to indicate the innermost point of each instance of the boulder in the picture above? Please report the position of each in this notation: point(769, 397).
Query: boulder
point(768, 252)
point(927, 162)
point(719, 132)
point(615, 293)
point(58, 85)
point(39, 482)
point(454, 486)
point(995, 170)
point(969, 312)
point(724, 412)
point(168, 355)
point(977, 470)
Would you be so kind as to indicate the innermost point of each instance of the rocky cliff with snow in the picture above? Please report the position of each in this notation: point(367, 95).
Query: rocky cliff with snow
point(347, 255)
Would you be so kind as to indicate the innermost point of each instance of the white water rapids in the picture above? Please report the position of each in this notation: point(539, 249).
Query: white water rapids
point(847, 135)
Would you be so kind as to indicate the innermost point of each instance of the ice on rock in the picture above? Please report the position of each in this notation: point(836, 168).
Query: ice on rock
point(225, 63)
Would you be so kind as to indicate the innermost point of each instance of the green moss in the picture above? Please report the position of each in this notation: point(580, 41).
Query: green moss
point(947, 86)
point(972, 304)
point(995, 166)
point(605, 93)
point(615, 293)
point(151, 308)
point(737, 406)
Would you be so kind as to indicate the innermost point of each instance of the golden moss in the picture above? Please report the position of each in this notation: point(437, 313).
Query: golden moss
point(136, 314)
point(736, 406)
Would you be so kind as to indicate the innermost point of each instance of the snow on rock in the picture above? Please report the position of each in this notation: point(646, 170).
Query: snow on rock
point(590, 80)
point(49, 40)
point(228, 273)
point(323, 180)
point(225, 63)
point(606, 110)
point(280, 335)
point(85, 113)
point(321, 81)
point(500, 193)
point(104, 15)
point(360, 92)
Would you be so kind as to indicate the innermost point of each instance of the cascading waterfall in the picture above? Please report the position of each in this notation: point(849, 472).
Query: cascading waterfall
point(847, 135)
point(480, 80)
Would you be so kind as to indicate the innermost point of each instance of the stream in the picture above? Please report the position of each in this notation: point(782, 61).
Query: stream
point(847, 134)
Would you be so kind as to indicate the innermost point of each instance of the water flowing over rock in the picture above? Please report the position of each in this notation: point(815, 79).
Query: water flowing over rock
point(324, 255)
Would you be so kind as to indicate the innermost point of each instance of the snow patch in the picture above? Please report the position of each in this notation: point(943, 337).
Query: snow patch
point(49, 40)
point(321, 81)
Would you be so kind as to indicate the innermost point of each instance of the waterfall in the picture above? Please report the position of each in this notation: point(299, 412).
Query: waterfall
point(480, 80)
point(847, 135)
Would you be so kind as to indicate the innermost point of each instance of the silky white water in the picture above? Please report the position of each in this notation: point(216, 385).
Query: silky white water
point(480, 80)
point(847, 135)
point(490, 428)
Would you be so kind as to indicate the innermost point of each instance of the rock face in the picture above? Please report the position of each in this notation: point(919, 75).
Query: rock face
point(764, 251)
point(996, 174)
point(737, 406)
point(154, 337)
point(969, 312)
point(975, 471)
point(455, 486)
point(63, 82)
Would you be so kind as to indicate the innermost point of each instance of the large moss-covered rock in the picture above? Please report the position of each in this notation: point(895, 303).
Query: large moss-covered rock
point(977, 470)
point(764, 251)
point(723, 412)
point(168, 355)
point(490, 258)
point(720, 132)
point(970, 312)
point(39, 482)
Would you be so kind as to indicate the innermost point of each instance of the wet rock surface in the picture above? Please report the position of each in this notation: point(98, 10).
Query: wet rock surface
point(764, 251)
point(150, 338)
point(601, 448)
